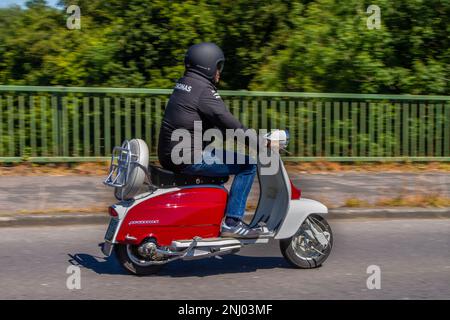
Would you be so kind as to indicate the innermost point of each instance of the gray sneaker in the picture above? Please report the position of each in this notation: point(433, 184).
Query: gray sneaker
point(240, 230)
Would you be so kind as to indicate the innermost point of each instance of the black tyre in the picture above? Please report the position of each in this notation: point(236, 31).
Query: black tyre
point(309, 248)
point(134, 263)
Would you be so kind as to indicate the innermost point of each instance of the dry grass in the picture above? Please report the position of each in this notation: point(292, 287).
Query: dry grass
point(101, 168)
point(412, 201)
point(424, 200)
point(356, 203)
point(334, 167)
point(60, 169)
point(63, 210)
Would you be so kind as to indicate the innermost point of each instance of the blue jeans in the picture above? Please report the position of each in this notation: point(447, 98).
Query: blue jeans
point(214, 166)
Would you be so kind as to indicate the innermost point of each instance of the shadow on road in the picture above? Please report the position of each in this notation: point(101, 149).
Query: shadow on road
point(195, 268)
point(228, 264)
point(99, 265)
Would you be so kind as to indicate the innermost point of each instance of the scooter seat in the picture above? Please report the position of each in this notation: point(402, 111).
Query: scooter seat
point(163, 178)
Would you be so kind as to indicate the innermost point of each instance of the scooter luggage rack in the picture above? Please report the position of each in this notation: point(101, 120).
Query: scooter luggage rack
point(120, 163)
point(121, 160)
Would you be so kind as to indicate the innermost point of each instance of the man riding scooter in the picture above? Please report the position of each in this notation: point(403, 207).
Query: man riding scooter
point(195, 98)
point(181, 214)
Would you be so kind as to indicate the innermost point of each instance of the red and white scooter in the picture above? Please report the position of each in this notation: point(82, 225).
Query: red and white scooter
point(164, 216)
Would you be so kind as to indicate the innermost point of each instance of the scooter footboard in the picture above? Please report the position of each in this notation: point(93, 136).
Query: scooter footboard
point(298, 211)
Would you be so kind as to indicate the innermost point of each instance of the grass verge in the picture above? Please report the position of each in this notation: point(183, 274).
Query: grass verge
point(411, 201)
point(65, 210)
point(101, 168)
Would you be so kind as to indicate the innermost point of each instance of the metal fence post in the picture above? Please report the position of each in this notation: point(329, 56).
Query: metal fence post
point(59, 123)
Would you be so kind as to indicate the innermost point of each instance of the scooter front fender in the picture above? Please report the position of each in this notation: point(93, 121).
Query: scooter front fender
point(298, 211)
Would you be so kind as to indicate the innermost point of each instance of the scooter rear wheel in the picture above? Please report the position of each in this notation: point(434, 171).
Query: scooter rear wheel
point(309, 248)
point(132, 262)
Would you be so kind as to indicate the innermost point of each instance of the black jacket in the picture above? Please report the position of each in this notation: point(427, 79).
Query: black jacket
point(194, 98)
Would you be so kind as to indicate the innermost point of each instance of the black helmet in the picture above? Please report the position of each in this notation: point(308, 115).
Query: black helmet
point(204, 58)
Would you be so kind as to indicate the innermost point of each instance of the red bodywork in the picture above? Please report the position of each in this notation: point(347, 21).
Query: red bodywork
point(178, 215)
point(295, 192)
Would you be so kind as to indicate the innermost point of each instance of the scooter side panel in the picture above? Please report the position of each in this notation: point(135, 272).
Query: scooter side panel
point(181, 214)
point(298, 211)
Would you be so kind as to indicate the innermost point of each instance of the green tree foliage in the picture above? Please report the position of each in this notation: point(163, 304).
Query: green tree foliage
point(330, 48)
point(308, 45)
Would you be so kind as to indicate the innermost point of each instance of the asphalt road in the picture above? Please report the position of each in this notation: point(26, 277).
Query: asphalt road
point(413, 256)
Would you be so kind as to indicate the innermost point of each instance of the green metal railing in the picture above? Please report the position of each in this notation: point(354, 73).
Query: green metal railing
point(54, 124)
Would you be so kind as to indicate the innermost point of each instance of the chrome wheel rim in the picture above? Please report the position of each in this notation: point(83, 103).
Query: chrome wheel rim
point(136, 258)
point(313, 239)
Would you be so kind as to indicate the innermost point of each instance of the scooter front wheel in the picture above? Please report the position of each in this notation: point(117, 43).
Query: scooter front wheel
point(311, 245)
point(130, 259)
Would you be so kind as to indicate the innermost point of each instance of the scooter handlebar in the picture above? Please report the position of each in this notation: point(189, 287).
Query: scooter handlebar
point(277, 138)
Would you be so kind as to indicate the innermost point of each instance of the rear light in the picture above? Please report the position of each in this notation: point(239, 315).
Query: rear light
point(295, 192)
point(112, 212)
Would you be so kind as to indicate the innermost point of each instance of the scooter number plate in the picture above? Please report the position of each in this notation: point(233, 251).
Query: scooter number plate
point(111, 229)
